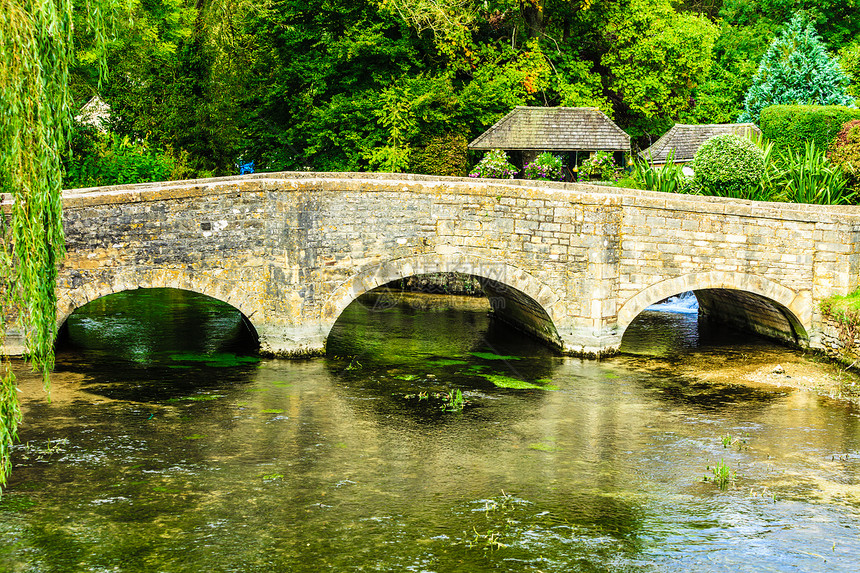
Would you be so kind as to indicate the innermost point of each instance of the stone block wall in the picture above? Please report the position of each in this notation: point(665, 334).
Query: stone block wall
point(578, 262)
point(839, 343)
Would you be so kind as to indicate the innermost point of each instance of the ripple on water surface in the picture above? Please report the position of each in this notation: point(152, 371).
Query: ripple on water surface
point(367, 460)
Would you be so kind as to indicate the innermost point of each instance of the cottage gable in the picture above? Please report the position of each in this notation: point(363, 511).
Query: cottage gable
point(555, 129)
point(683, 141)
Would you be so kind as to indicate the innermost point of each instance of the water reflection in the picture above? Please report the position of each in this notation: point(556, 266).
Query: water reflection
point(338, 464)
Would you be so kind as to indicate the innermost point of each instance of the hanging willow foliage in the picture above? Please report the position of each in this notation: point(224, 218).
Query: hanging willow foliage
point(35, 50)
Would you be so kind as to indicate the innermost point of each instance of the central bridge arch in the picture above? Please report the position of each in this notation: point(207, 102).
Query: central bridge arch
point(745, 300)
point(516, 296)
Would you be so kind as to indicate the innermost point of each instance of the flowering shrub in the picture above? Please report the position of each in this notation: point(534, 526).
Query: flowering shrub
point(546, 167)
point(600, 166)
point(494, 165)
point(845, 152)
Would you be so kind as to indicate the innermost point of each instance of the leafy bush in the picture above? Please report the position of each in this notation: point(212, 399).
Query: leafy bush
point(729, 165)
point(600, 166)
point(844, 153)
point(494, 165)
point(809, 177)
point(789, 126)
point(444, 155)
point(107, 159)
point(668, 178)
point(546, 167)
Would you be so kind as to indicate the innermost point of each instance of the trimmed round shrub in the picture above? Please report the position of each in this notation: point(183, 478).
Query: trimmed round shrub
point(494, 165)
point(729, 165)
point(545, 167)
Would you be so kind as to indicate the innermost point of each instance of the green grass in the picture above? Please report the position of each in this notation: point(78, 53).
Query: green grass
point(838, 303)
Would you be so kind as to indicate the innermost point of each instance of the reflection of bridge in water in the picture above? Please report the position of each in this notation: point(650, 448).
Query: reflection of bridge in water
point(572, 264)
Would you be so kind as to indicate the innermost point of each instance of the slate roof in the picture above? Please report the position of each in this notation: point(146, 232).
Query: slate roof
point(554, 129)
point(686, 140)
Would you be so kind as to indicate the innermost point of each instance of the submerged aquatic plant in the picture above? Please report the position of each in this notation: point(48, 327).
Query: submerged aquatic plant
point(722, 475)
point(489, 541)
point(454, 401)
point(501, 381)
point(728, 440)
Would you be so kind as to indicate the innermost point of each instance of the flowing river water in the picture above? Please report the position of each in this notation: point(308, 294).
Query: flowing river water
point(430, 439)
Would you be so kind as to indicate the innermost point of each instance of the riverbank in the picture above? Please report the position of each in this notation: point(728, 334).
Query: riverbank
point(777, 367)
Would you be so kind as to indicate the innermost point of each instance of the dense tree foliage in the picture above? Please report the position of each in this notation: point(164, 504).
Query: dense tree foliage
point(370, 84)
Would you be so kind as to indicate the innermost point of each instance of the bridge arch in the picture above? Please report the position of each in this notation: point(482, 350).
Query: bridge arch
point(226, 291)
point(516, 296)
point(718, 290)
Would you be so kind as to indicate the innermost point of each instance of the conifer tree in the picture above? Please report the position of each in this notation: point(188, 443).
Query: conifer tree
point(796, 69)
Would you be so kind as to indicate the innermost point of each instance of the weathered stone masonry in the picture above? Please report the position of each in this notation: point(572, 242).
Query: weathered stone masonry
point(573, 264)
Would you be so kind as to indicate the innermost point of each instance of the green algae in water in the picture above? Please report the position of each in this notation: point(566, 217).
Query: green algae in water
point(543, 447)
point(163, 489)
point(407, 377)
point(195, 437)
point(216, 360)
point(446, 362)
point(491, 356)
point(272, 411)
point(16, 503)
point(501, 381)
point(197, 398)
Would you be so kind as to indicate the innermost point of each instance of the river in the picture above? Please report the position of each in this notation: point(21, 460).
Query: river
point(430, 439)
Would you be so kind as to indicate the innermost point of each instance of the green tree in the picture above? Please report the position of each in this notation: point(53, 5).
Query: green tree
point(654, 59)
point(796, 69)
point(835, 19)
point(177, 74)
point(849, 61)
point(737, 51)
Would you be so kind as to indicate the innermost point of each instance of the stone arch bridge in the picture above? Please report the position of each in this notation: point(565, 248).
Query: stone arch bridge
point(572, 264)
